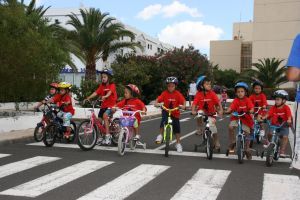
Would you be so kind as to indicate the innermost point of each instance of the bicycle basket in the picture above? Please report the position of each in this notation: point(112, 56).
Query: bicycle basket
point(127, 121)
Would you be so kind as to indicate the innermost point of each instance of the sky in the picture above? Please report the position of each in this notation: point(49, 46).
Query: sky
point(177, 22)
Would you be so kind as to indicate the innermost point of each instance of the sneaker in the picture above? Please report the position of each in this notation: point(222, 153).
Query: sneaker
point(107, 140)
point(231, 148)
point(283, 155)
point(99, 141)
point(178, 148)
point(262, 133)
point(137, 137)
point(67, 134)
point(159, 139)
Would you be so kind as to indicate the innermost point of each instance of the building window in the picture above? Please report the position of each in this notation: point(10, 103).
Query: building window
point(246, 56)
point(158, 50)
point(122, 38)
point(148, 46)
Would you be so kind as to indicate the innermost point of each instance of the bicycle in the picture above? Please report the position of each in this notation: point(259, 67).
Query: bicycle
point(91, 129)
point(257, 129)
point(126, 135)
point(38, 133)
point(273, 149)
point(208, 140)
point(240, 140)
point(55, 129)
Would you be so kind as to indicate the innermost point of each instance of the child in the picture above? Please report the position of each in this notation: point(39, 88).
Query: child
point(107, 92)
point(278, 114)
point(63, 99)
point(259, 100)
point(207, 101)
point(131, 102)
point(171, 98)
point(241, 104)
point(52, 92)
point(224, 98)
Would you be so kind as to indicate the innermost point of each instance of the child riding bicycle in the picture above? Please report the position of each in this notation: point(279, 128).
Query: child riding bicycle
point(279, 114)
point(131, 102)
point(171, 98)
point(241, 104)
point(53, 90)
point(107, 92)
point(207, 101)
point(64, 101)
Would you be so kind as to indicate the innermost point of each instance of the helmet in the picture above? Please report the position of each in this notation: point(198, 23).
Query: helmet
point(133, 88)
point(172, 79)
point(64, 85)
point(200, 81)
point(241, 85)
point(107, 71)
point(257, 82)
point(281, 94)
point(53, 85)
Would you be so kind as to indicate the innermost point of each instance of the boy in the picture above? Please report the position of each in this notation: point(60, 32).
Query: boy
point(52, 92)
point(279, 114)
point(207, 101)
point(131, 102)
point(171, 98)
point(259, 100)
point(241, 104)
point(107, 92)
point(64, 100)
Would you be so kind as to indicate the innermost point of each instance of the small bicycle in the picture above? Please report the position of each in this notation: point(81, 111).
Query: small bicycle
point(126, 135)
point(208, 140)
point(91, 129)
point(273, 149)
point(38, 133)
point(257, 129)
point(55, 129)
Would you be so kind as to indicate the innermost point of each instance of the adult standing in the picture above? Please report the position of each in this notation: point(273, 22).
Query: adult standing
point(293, 74)
point(192, 92)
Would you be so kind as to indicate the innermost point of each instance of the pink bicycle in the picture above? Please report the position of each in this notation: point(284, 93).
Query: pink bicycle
point(126, 136)
point(91, 131)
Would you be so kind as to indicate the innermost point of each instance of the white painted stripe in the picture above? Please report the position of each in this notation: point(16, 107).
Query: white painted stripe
point(2, 155)
point(205, 184)
point(181, 138)
point(15, 167)
point(56, 179)
point(278, 187)
point(161, 152)
point(126, 184)
point(185, 119)
point(143, 121)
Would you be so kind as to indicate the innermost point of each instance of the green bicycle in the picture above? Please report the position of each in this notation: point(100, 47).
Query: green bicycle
point(168, 129)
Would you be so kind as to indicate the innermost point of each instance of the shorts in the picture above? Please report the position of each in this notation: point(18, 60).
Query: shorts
point(66, 117)
point(212, 124)
point(282, 131)
point(104, 110)
point(175, 122)
point(245, 128)
point(191, 97)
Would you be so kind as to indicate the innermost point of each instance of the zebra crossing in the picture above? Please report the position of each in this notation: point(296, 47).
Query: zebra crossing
point(204, 184)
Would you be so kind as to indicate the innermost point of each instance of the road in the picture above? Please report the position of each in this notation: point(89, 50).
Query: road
point(65, 172)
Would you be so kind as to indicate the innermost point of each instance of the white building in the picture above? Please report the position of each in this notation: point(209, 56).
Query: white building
point(275, 25)
point(151, 45)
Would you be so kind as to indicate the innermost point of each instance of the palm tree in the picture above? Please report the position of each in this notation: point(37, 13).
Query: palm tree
point(267, 70)
point(95, 37)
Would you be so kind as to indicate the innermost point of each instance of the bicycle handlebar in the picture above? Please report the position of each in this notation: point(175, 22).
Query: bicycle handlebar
point(277, 127)
point(236, 114)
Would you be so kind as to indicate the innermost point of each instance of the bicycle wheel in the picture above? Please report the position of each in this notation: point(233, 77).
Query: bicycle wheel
point(73, 134)
point(270, 155)
point(122, 142)
point(209, 145)
point(132, 144)
point(87, 135)
point(50, 135)
point(240, 149)
point(168, 135)
point(38, 133)
point(115, 130)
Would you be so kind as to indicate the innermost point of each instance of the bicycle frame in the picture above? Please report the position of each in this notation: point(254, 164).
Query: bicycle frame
point(169, 122)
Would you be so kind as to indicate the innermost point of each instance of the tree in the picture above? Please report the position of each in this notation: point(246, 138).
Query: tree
point(31, 54)
point(225, 77)
point(267, 70)
point(95, 37)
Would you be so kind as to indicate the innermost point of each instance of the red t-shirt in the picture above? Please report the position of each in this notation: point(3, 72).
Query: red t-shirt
point(207, 102)
point(60, 99)
point(276, 113)
point(132, 105)
point(240, 106)
point(103, 89)
point(171, 100)
point(259, 101)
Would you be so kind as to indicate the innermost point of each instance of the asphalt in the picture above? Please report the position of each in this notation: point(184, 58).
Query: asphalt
point(245, 181)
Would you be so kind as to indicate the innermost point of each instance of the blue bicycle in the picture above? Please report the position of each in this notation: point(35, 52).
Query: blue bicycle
point(257, 131)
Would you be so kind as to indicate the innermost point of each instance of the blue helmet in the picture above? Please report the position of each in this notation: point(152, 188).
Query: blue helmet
point(107, 71)
point(241, 85)
point(200, 81)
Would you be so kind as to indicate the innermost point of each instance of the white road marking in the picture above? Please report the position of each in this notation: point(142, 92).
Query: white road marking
point(161, 152)
point(126, 184)
point(181, 138)
point(15, 167)
point(56, 179)
point(278, 187)
point(185, 119)
point(143, 121)
point(206, 184)
point(2, 155)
